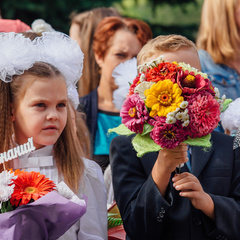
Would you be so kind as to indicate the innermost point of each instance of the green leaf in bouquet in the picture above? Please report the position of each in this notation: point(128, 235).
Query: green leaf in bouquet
point(202, 141)
point(6, 207)
point(144, 144)
point(147, 128)
point(121, 130)
point(226, 104)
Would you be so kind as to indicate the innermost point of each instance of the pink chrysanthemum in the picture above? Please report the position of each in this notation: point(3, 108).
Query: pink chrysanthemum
point(191, 83)
point(204, 112)
point(152, 121)
point(168, 135)
point(134, 113)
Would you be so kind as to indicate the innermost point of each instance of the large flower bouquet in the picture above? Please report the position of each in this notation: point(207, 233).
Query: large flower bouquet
point(33, 207)
point(169, 103)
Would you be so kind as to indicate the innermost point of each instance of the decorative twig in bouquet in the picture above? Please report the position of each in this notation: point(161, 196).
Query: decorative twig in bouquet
point(32, 206)
point(169, 103)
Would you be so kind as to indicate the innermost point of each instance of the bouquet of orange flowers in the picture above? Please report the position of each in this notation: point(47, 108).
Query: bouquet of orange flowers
point(31, 207)
point(169, 103)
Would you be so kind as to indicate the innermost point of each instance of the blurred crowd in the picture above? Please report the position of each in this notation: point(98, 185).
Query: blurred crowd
point(107, 40)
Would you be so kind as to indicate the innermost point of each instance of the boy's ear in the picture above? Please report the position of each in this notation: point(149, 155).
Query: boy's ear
point(99, 60)
point(13, 118)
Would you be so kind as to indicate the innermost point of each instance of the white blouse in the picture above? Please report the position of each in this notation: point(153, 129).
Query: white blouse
point(93, 224)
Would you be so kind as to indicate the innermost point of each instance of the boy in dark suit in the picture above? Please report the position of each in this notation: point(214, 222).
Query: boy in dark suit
point(203, 202)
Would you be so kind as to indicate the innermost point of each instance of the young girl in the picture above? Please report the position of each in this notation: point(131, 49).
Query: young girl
point(34, 103)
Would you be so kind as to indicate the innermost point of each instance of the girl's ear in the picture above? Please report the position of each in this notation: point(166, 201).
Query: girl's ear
point(99, 60)
point(13, 118)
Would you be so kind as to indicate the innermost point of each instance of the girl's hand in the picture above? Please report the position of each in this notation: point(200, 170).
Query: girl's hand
point(190, 187)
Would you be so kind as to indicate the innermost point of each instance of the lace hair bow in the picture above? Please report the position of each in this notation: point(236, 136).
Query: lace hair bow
point(19, 54)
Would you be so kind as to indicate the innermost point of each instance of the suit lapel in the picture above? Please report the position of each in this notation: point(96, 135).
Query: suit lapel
point(200, 159)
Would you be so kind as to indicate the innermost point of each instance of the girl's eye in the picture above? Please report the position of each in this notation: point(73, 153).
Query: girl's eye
point(61, 105)
point(40, 105)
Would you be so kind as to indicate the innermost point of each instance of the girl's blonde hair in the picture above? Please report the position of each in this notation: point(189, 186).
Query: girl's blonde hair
point(67, 151)
point(82, 131)
point(218, 33)
point(161, 44)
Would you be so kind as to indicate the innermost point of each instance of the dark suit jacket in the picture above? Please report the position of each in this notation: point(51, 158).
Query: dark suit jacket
point(148, 216)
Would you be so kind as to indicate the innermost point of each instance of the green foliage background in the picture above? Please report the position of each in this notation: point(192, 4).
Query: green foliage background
point(164, 16)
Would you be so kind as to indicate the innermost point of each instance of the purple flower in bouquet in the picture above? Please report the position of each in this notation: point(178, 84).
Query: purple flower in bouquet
point(204, 112)
point(168, 135)
point(134, 113)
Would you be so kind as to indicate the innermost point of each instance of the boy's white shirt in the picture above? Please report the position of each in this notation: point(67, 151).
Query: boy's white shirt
point(93, 224)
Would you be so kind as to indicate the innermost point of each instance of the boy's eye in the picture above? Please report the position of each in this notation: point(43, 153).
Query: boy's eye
point(61, 105)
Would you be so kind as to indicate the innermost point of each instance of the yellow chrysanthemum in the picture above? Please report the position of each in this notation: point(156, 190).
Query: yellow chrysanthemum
point(163, 97)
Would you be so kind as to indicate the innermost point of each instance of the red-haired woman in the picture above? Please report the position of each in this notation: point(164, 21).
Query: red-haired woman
point(116, 40)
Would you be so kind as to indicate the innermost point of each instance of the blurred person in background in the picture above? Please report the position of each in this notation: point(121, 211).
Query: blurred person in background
point(115, 40)
point(82, 29)
point(11, 25)
point(218, 42)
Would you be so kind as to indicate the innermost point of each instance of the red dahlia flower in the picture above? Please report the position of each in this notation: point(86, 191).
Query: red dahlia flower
point(136, 81)
point(164, 70)
point(189, 83)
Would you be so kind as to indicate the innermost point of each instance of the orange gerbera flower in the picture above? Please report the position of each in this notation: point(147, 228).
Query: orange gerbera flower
point(30, 186)
point(16, 172)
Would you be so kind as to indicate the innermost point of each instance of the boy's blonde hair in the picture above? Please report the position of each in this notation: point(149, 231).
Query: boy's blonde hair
point(163, 43)
point(218, 33)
